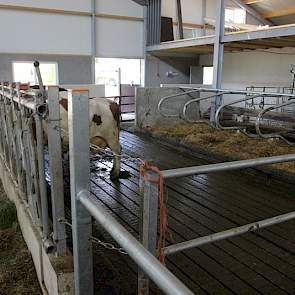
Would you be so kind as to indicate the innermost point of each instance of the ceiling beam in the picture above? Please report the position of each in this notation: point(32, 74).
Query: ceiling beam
point(253, 12)
point(252, 1)
point(141, 2)
point(278, 13)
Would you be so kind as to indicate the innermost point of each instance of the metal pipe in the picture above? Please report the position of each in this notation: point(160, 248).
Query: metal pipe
point(271, 135)
point(223, 91)
point(164, 279)
point(42, 182)
point(172, 96)
point(229, 233)
point(230, 91)
point(197, 100)
point(218, 112)
point(227, 166)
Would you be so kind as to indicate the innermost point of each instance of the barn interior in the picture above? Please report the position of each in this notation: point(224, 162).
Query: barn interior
point(148, 145)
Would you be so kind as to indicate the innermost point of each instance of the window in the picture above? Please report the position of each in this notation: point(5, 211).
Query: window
point(24, 72)
point(207, 75)
point(115, 71)
point(235, 15)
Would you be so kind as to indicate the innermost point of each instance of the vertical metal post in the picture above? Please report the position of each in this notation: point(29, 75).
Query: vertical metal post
point(56, 170)
point(80, 180)
point(149, 193)
point(17, 128)
point(153, 24)
point(179, 19)
point(93, 39)
point(204, 14)
point(218, 56)
point(41, 174)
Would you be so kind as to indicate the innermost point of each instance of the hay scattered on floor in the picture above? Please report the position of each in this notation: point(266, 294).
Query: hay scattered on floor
point(228, 143)
point(17, 272)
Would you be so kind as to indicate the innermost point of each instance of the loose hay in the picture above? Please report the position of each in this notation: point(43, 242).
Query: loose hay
point(228, 143)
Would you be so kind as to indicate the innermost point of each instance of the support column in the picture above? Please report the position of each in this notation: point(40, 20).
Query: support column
point(149, 201)
point(78, 122)
point(218, 56)
point(93, 40)
point(56, 170)
point(179, 19)
point(204, 14)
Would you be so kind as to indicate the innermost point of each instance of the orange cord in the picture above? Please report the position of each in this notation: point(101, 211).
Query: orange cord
point(162, 204)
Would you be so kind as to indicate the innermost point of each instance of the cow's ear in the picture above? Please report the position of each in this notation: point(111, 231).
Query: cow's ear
point(64, 103)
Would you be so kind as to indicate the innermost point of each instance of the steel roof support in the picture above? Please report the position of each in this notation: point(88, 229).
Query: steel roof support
point(179, 19)
point(218, 56)
point(253, 12)
point(93, 39)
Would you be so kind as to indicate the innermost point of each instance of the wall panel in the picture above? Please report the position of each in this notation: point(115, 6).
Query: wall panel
point(122, 7)
point(79, 5)
point(119, 38)
point(45, 33)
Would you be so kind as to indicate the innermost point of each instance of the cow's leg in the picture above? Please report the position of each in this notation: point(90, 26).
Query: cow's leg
point(114, 145)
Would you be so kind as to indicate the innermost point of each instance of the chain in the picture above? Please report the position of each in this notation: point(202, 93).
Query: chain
point(95, 240)
point(108, 246)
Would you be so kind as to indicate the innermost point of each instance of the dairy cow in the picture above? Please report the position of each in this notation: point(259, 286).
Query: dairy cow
point(104, 124)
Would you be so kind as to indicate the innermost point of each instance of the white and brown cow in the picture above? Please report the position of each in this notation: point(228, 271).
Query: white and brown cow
point(104, 124)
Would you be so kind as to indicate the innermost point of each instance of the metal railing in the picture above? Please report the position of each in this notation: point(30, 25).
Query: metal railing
point(23, 117)
point(85, 205)
point(150, 191)
point(272, 135)
point(249, 95)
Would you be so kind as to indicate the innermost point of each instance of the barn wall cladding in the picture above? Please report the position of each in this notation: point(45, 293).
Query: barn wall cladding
point(71, 69)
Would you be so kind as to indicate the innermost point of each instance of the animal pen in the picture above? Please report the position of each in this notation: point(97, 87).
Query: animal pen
point(22, 153)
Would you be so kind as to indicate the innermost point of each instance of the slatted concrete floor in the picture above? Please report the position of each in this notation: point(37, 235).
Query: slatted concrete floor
point(255, 263)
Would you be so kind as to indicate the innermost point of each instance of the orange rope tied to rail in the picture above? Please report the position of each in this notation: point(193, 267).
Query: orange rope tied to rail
point(162, 206)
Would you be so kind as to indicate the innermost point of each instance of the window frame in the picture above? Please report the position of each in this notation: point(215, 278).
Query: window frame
point(233, 9)
point(32, 62)
point(208, 66)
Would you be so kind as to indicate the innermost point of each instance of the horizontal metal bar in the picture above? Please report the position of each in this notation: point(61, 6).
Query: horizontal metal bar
point(207, 40)
point(235, 165)
point(164, 279)
point(230, 91)
point(229, 233)
point(272, 32)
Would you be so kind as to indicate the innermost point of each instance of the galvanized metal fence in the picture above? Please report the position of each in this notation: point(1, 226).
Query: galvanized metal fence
point(150, 192)
point(23, 116)
point(85, 206)
point(277, 105)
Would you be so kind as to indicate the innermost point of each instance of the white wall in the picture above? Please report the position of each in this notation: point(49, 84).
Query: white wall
point(121, 7)
point(119, 38)
point(45, 33)
point(258, 68)
point(77, 5)
point(255, 68)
